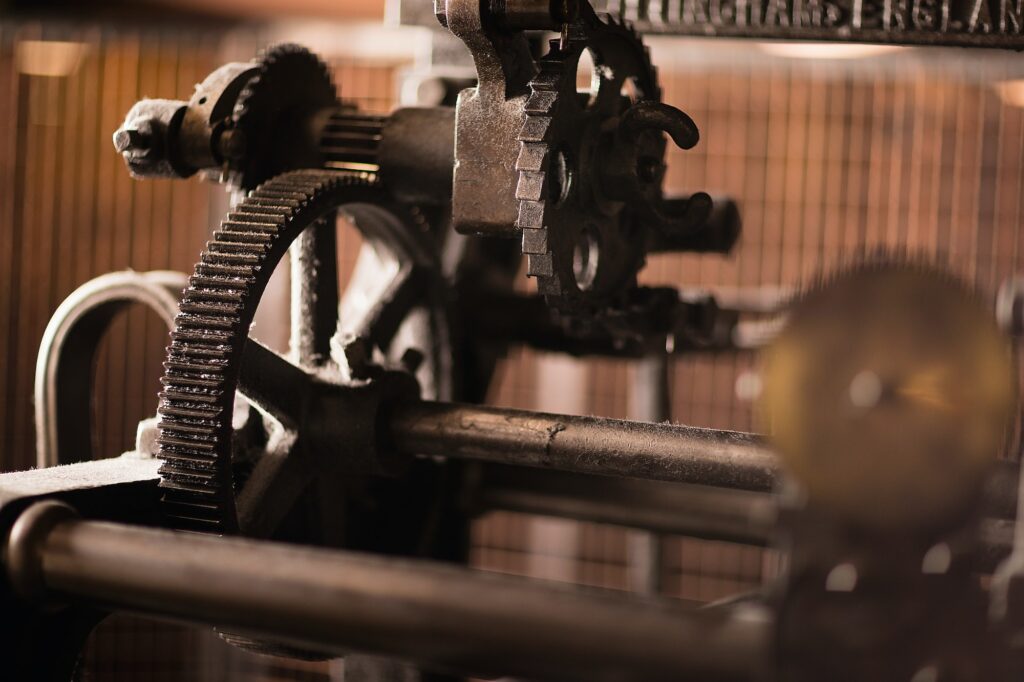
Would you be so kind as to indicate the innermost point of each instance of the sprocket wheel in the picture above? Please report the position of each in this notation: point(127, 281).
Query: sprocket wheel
point(582, 248)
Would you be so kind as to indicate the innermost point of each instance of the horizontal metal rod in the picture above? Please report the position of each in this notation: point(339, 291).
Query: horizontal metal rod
point(592, 445)
point(613, 447)
point(438, 616)
point(673, 508)
point(692, 511)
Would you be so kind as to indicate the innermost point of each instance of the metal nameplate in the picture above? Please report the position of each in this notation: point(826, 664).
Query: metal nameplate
point(965, 23)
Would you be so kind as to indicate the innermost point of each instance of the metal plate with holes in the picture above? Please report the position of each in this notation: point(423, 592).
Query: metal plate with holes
point(964, 23)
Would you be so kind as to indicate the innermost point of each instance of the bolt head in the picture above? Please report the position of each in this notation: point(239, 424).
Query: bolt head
point(127, 140)
point(412, 359)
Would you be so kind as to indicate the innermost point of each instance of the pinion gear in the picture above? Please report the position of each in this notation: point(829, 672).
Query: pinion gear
point(290, 84)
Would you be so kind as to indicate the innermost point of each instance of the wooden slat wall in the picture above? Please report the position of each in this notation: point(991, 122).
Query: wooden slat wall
point(70, 211)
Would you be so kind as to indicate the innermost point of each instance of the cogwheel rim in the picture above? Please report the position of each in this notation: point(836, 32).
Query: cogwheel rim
point(211, 330)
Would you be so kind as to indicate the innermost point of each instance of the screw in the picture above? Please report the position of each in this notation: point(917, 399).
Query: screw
point(411, 359)
point(358, 356)
point(129, 140)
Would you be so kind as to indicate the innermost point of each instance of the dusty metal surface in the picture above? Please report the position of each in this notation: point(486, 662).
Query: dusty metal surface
point(585, 444)
point(328, 456)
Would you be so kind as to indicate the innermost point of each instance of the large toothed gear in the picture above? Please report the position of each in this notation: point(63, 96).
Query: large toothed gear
point(889, 394)
point(220, 468)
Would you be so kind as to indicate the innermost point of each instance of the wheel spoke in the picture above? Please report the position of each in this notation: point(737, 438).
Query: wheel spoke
point(314, 282)
point(273, 383)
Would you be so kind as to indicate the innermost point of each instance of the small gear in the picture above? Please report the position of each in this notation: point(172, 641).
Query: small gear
point(583, 248)
point(889, 394)
point(290, 85)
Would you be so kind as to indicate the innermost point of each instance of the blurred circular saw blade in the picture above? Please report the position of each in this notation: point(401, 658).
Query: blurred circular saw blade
point(889, 395)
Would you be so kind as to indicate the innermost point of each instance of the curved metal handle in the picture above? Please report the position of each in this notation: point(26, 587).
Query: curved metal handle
point(67, 355)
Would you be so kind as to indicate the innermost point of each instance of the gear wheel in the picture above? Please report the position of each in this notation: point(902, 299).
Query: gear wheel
point(209, 462)
point(290, 84)
point(582, 248)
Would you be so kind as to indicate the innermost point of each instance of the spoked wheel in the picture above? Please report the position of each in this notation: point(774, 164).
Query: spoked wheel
point(252, 465)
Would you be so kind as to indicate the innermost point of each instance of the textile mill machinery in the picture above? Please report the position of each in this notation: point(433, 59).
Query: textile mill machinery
point(317, 503)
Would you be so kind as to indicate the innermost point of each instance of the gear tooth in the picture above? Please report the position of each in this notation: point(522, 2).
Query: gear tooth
point(196, 403)
point(260, 202)
point(187, 410)
point(286, 69)
point(535, 241)
point(239, 275)
point(170, 478)
point(556, 75)
point(541, 102)
point(531, 217)
point(549, 286)
point(246, 220)
point(259, 238)
point(548, 79)
point(532, 157)
point(535, 129)
point(531, 186)
point(540, 265)
point(233, 256)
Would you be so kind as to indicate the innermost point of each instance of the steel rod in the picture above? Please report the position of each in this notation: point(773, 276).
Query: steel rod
point(438, 616)
point(693, 511)
point(678, 509)
point(611, 447)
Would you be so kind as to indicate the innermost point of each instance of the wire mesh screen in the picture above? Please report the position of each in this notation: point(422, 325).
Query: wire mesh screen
point(917, 149)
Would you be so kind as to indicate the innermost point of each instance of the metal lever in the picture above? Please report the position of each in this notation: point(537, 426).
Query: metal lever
point(636, 167)
point(659, 117)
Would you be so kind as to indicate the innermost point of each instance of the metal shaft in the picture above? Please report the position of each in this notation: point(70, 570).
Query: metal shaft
point(680, 509)
point(591, 445)
point(441, 617)
point(613, 447)
point(689, 510)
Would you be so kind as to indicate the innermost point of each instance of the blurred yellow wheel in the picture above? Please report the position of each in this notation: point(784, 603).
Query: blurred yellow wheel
point(889, 394)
